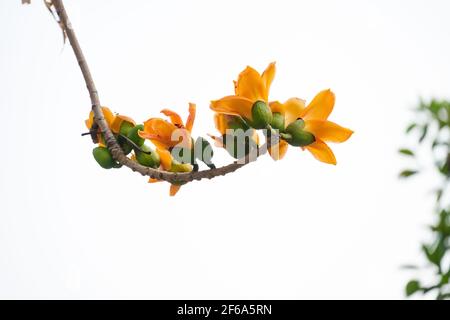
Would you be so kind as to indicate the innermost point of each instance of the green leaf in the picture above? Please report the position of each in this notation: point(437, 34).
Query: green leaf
point(406, 152)
point(424, 133)
point(412, 287)
point(407, 173)
point(410, 127)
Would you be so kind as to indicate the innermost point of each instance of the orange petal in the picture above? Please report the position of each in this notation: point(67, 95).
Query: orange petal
point(267, 78)
point(159, 131)
point(293, 109)
point(218, 141)
point(321, 106)
point(117, 122)
point(165, 158)
point(327, 130)
point(107, 114)
point(255, 137)
point(174, 117)
point(322, 152)
point(278, 151)
point(233, 105)
point(220, 121)
point(191, 118)
point(250, 85)
point(174, 189)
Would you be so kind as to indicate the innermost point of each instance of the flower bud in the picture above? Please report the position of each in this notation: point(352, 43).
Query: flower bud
point(298, 136)
point(125, 127)
point(203, 150)
point(103, 157)
point(277, 121)
point(261, 114)
point(148, 160)
point(133, 134)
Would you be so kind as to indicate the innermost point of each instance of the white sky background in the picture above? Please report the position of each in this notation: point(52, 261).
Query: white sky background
point(291, 229)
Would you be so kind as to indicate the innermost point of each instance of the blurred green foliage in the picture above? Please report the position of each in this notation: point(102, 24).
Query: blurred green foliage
point(432, 130)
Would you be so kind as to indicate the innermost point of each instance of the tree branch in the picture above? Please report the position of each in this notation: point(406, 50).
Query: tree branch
point(111, 141)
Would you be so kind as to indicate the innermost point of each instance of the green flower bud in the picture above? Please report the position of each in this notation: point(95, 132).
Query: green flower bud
point(298, 136)
point(237, 123)
point(203, 150)
point(148, 160)
point(125, 146)
point(261, 114)
point(103, 157)
point(277, 121)
point(133, 135)
point(125, 127)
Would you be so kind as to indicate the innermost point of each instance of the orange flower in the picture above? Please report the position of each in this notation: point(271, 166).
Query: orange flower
point(114, 122)
point(250, 88)
point(166, 135)
point(315, 117)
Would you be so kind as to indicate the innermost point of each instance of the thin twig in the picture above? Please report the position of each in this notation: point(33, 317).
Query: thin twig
point(111, 141)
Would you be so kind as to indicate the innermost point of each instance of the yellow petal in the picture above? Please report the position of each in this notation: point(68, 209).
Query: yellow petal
point(159, 131)
point(321, 106)
point(191, 118)
point(233, 105)
point(322, 152)
point(174, 189)
point(293, 109)
point(107, 114)
point(327, 130)
point(278, 151)
point(174, 117)
point(250, 85)
point(276, 106)
point(267, 78)
point(255, 137)
point(165, 158)
point(117, 122)
point(220, 121)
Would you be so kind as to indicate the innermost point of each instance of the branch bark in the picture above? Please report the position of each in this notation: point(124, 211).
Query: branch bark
point(111, 141)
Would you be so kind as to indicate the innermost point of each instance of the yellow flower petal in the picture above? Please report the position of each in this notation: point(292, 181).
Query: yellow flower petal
point(159, 131)
point(278, 151)
point(327, 130)
point(267, 78)
point(220, 122)
point(320, 107)
point(250, 85)
point(322, 152)
point(117, 122)
point(174, 189)
point(191, 118)
point(174, 117)
point(107, 114)
point(293, 109)
point(165, 158)
point(233, 105)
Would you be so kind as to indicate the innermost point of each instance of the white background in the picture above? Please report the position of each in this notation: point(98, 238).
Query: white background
point(290, 229)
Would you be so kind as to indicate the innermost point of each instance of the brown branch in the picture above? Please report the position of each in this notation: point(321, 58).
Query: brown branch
point(111, 141)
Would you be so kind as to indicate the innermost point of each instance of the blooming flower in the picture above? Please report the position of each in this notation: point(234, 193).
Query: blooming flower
point(167, 134)
point(311, 122)
point(251, 93)
point(114, 122)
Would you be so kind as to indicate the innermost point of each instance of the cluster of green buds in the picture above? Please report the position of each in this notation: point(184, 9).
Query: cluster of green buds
point(129, 141)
